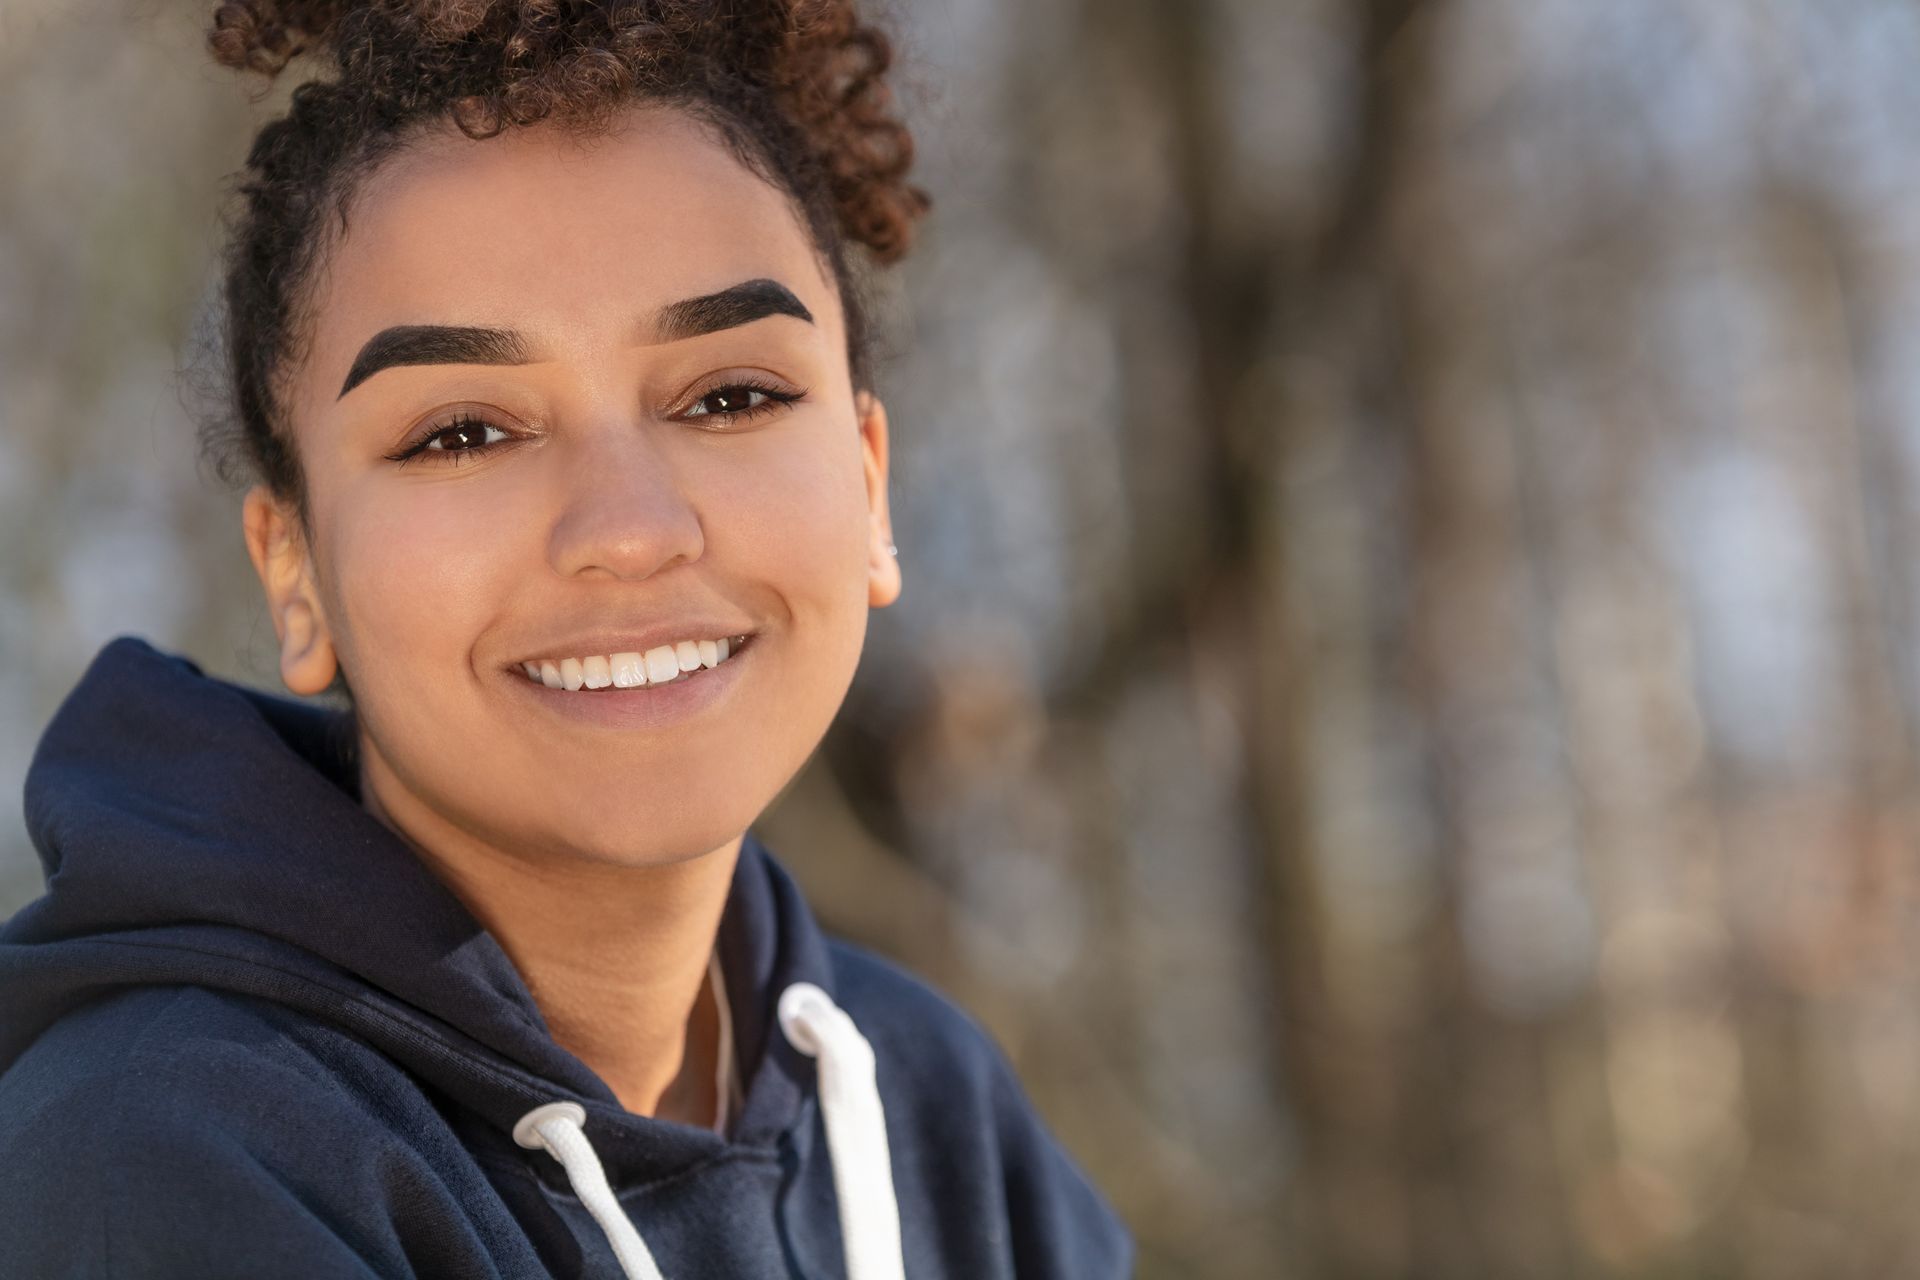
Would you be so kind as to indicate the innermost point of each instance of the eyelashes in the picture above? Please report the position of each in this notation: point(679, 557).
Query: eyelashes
point(467, 424)
point(483, 436)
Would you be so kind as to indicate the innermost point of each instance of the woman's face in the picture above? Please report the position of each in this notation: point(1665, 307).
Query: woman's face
point(583, 492)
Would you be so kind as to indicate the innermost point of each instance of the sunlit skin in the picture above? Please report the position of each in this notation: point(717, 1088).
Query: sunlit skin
point(600, 858)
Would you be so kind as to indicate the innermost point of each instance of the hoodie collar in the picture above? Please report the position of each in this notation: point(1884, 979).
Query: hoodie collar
point(192, 829)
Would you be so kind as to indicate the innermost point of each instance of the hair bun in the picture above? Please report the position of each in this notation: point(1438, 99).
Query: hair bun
point(265, 35)
point(831, 73)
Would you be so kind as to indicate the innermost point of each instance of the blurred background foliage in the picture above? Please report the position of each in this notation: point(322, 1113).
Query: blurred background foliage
point(1402, 717)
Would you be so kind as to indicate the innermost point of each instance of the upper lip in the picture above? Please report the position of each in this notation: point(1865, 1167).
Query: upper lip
point(588, 644)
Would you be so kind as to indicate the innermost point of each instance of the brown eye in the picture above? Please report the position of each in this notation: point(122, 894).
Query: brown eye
point(461, 436)
point(451, 441)
point(728, 400)
point(740, 400)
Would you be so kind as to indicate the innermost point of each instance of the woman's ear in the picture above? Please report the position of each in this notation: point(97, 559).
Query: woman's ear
point(280, 557)
point(883, 563)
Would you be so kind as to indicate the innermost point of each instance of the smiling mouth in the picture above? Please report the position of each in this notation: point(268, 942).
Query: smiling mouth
point(632, 671)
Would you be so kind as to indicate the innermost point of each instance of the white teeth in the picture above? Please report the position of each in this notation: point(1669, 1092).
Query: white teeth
point(662, 664)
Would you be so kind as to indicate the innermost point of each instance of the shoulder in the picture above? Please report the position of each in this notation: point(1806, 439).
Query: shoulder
point(184, 1069)
point(950, 1088)
point(906, 1017)
point(188, 1046)
point(176, 1126)
point(933, 1056)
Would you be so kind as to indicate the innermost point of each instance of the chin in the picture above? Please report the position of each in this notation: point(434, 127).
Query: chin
point(644, 834)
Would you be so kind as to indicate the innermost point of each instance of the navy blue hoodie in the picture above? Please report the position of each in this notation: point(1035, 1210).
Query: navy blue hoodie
point(246, 1033)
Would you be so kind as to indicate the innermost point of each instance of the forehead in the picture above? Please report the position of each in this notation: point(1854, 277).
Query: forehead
point(567, 238)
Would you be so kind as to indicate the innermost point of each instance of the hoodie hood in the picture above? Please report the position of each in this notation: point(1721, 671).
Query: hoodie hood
point(198, 831)
point(349, 1073)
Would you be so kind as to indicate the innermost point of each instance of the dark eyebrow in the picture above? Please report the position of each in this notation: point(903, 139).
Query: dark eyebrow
point(739, 304)
point(434, 344)
point(743, 303)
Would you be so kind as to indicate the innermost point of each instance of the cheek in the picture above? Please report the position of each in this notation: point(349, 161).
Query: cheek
point(418, 571)
point(800, 518)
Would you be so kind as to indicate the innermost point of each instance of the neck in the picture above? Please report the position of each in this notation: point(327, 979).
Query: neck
point(616, 956)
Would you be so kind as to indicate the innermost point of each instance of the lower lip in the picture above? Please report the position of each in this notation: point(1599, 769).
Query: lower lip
point(647, 706)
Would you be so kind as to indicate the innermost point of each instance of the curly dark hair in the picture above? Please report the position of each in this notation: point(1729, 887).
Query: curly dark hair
point(795, 88)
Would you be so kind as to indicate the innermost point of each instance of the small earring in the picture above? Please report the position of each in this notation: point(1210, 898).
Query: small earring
point(892, 550)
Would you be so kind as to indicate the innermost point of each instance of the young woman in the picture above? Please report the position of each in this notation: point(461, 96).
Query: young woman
point(550, 367)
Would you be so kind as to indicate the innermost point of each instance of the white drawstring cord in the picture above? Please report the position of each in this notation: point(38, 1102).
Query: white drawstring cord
point(856, 1130)
point(856, 1145)
point(557, 1127)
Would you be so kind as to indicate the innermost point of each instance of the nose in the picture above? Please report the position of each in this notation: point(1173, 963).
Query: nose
point(625, 511)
